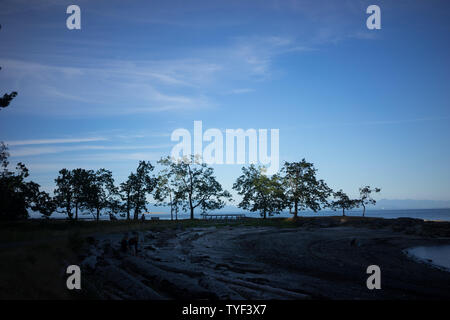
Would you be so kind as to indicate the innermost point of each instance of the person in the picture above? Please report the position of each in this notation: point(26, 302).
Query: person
point(133, 242)
point(124, 243)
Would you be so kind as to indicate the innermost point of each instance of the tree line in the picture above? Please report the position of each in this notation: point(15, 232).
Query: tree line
point(186, 185)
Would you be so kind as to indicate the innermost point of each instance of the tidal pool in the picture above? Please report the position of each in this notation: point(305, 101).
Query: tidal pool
point(438, 256)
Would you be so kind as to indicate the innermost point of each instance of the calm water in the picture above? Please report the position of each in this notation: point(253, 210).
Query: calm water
point(436, 255)
point(426, 214)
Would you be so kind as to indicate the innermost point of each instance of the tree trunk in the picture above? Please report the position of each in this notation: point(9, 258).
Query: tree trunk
point(128, 205)
point(191, 207)
point(364, 210)
point(343, 212)
point(98, 214)
point(296, 209)
point(171, 206)
point(265, 215)
point(76, 211)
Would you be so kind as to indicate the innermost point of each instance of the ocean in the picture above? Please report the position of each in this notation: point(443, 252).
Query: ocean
point(425, 214)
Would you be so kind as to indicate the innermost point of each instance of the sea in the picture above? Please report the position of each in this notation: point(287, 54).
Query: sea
point(164, 214)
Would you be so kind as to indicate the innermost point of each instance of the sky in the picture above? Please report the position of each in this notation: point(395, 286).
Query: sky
point(367, 107)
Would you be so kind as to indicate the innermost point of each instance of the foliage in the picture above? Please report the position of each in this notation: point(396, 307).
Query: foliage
point(99, 191)
point(302, 188)
point(164, 193)
point(365, 197)
point(18, 195)
point(260, 193)
point(194, 184)
point(343, 202)
point(134, 191)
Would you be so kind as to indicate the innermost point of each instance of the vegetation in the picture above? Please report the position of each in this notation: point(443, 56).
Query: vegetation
point(18, 195)
point(193, 184)
point(260, 193)
point(182, 185)
point(302, 188)
point(343, 202)
point(365, 197)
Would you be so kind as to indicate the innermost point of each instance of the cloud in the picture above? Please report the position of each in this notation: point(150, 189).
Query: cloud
point(241, 91)
point(111, 86)
point(53, 141)
point(21, 152)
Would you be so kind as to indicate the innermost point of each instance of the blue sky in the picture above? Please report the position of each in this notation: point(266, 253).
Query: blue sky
point(365, 106)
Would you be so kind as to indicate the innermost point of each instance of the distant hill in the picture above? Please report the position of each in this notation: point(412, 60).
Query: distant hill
point(392, 204)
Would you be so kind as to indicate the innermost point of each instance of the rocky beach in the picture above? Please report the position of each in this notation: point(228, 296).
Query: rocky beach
point(311, 258)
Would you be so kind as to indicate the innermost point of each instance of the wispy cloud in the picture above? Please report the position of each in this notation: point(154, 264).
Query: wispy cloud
point(34, 151)
point(240, 91)
point(53, 141)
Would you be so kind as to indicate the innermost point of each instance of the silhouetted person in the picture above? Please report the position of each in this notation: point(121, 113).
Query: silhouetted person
point(124, 243)
point(133, 242)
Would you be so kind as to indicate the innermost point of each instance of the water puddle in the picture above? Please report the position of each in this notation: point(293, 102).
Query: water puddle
point(438, 256)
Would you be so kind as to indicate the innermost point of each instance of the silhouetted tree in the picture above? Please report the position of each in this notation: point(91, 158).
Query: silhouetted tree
point(134, 191)
point(343, 202)
point(260, 192)
point(64, 191)
point(164, 193)
point(194, 184)
point(142, 185)
point(44, 204)
point(302, 188)
point(126, 194)
point(365, 197)
point(18, 195)
point(80, 179)
point(100, 191)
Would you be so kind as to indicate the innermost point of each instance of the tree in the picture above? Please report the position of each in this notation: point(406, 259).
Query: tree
point(44, 204)
point(18, 195)
point(80, 182)
point(126, 194)
point(260, 193)
point(64, 191)
point(134, 191)
point(142, 184)
point(343, 202)
point(194, 185)
point(7, 98)
point(365, 197)
point(100, 191)
point(164, 193)
point(302, 188)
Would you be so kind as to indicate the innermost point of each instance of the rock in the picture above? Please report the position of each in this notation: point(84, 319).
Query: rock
point(126, 283)
point(91, 241)
point(176, 284)
point(90, 262)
